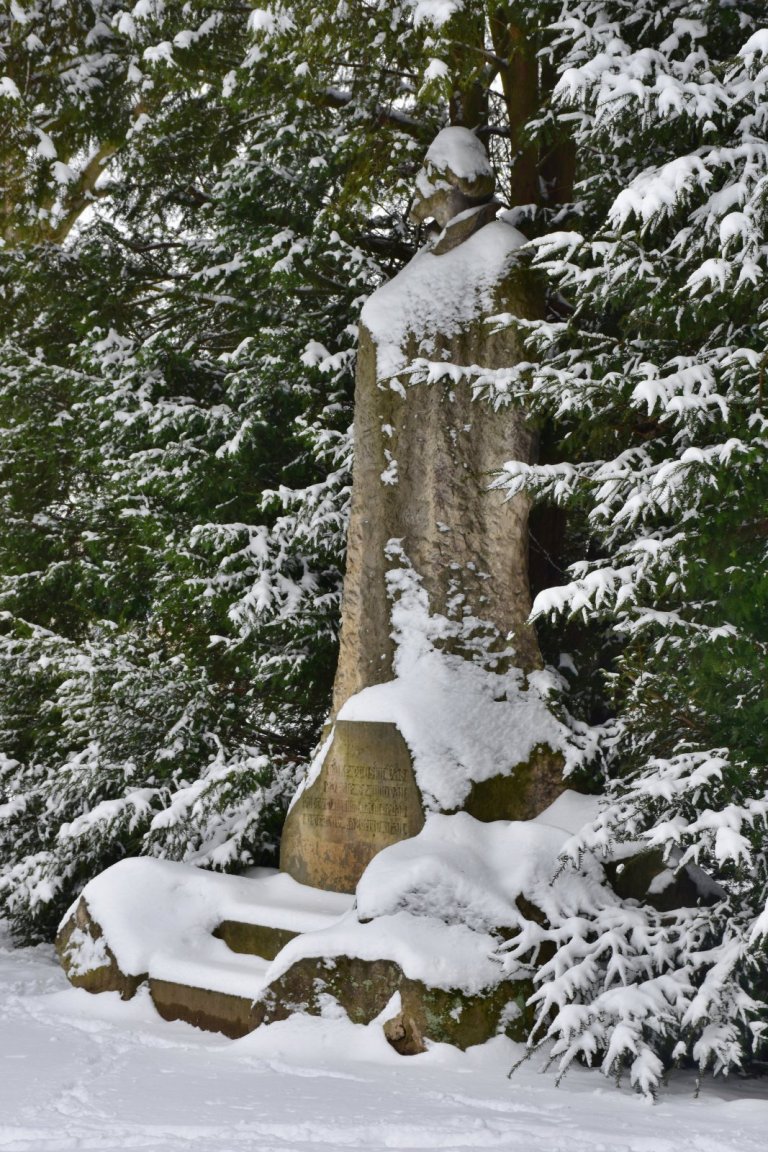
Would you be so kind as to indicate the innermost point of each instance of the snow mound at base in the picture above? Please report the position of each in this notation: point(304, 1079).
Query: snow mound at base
point(431, 904)
point(460, 870)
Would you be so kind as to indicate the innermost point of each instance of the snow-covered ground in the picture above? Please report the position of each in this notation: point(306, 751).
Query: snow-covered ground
point(91, 1073)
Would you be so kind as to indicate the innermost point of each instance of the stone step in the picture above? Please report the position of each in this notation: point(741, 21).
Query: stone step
point(264, 909)
point(201, 941)
point(254, 939)
point(417, 952)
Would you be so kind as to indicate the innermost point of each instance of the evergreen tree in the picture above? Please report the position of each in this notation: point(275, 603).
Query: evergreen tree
point(173, 459)
point(656, 379)
point(195, 203)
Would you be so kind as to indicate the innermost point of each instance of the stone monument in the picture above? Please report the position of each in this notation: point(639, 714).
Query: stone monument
point(440, 711)
point(424, 458)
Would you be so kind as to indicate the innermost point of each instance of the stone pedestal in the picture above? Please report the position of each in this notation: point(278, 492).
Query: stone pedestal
point(364, 799)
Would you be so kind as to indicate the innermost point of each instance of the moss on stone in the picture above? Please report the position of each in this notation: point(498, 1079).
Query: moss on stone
point(253, 939)
point(522, 793)
point(458, 1018)
point(363, 988)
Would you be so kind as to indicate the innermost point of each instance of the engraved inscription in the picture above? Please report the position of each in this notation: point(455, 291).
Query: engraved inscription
point(364, 798)
point(372, 802)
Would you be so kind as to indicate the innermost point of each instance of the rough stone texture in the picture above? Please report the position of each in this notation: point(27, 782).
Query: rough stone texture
point(470, 548)
point(460, 537)
point(234, 1016)
point(253, 939)
point(82, 933)
point(363, 988)
point(364, 799)
point(451, 197)
point(465, 227)
point(441, 193)
point(469, 545)
point(527, 790)
point(453, 1017)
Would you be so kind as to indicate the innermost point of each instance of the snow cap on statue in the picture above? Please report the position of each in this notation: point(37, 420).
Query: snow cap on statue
point(456, 175)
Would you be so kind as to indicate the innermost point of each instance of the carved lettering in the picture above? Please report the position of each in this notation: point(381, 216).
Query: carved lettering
point(371, 801)
point(364, 798)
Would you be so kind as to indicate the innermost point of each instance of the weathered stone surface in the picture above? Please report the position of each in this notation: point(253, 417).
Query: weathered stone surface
point(454, 1017)
point(464, 226)
point(234, 1016)
point(443, 192)
point(424, 458)
point(87, 959)
point(253, 939)
point(363, 988)
point(463, 540)
point(522, 794)
point(364, 799)
point(89, 963)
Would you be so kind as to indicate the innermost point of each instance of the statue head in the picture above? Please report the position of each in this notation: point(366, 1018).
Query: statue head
point(456, 175)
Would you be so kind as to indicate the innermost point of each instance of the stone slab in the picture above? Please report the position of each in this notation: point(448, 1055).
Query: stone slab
point(364, 799)
point(233, 1016)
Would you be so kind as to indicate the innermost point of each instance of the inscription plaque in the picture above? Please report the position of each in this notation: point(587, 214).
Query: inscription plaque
point(364, 799)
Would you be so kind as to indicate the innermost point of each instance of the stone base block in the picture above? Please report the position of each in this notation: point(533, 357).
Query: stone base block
point(234, 1016)
point(363, 988)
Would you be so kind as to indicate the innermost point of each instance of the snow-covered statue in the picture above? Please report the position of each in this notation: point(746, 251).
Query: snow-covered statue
point(437, 701)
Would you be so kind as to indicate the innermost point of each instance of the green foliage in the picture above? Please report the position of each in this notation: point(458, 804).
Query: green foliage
point(195, 201)
point(656, 375)
point(173, 464)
